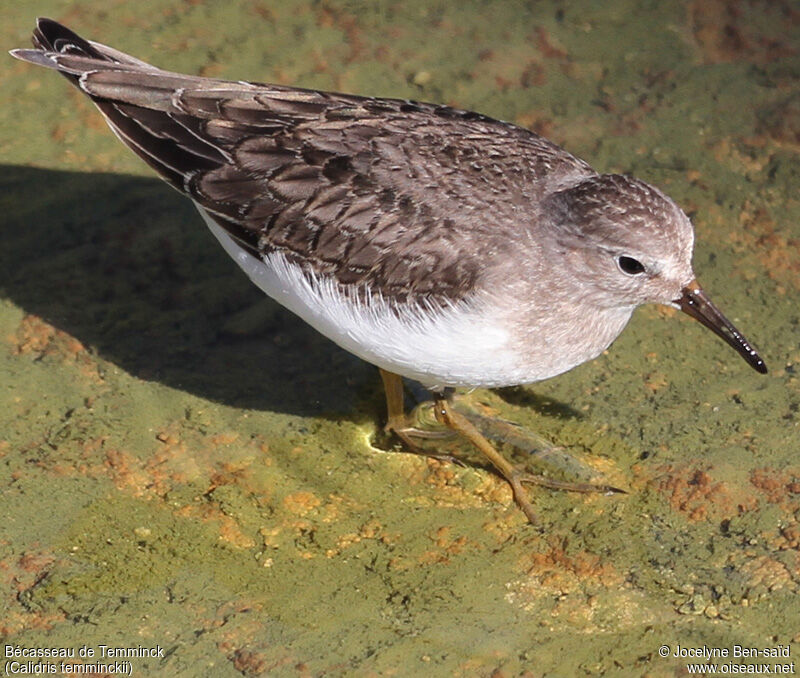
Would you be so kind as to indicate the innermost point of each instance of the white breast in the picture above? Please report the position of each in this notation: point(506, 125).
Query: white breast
point(460, 345)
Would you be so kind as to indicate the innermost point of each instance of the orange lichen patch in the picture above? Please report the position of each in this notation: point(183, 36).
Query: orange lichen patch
point(607, 472)
point(226, 438)
point(230, 532)
point(371, 530)
point(502, 527)
point(301, 503)
point(17, 620)
point(581, 130)
point(262, 663)
point(480, 664)
point(446, 546)
point(172, 464)
point(451, 492)
point(167, 438)
point(788, 538)
point(178, 462)
point(433, 558)
point(240, 634)
point(577, 610)
point(336, 506)
point(229, 473)
point(186, 456)
point(210, 512)
point(240, 608)
point(440, 475)
point(744, 156)
point(555, 567)
point(263, 12)
point(443, 539)
point(32, 566)
point(766, 574)
point(509, 69)
point(251, 663)
point(36, 337)
point(694, 493)
point(534, 121)
point(126, 472)
point(86, 463)
point(270, 536)
point(155, 475)
point(779, 261)
point(336, 17)
point(18, 574)
point(773, 250)
point(534, 75)
point(555, 573)
point(779, 487)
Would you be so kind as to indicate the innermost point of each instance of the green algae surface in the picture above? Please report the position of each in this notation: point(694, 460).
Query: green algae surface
point(186, 466)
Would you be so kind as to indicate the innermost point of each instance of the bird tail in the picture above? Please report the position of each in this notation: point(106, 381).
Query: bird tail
point(59, 48)
point(134, 97)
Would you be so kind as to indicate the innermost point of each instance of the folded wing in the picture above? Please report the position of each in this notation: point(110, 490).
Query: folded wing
point(375, 192)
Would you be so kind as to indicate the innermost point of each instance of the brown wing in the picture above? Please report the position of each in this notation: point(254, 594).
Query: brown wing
point(380, 192)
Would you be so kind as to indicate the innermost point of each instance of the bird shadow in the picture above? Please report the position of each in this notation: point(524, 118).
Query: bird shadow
point(541, 404)
point(127, 267)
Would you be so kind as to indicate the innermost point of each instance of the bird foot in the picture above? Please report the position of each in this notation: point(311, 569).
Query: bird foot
point(412, 437)
point(447, 417)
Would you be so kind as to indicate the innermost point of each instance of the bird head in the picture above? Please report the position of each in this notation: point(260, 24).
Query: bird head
point(627, 244)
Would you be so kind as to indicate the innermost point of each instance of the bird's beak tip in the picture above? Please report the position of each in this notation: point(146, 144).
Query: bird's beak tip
point(694, 302)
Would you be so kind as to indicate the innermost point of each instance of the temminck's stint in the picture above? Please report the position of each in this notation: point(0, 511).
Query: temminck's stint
point(435, 243)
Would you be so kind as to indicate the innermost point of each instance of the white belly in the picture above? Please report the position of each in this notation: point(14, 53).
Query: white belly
point(462, 345)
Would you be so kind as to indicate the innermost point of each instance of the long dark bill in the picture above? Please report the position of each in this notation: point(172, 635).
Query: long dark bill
point(695, 303)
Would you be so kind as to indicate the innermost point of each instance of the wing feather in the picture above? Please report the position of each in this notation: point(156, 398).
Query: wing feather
point(378, 193)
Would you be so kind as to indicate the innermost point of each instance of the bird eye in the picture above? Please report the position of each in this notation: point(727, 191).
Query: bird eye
point(630, 265)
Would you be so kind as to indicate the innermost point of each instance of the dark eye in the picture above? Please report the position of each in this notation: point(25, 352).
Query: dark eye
point(630, 265)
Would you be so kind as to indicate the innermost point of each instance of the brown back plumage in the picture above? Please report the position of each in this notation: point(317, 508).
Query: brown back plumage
point(382, 193)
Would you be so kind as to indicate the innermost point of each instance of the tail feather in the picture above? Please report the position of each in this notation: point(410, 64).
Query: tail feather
point(134, 98)
point(329, 179)
point(51, 36)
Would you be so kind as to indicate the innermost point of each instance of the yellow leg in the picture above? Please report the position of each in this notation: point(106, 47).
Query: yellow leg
point(393, 385)
point(446, 415)
point(458, 423)
point(398, 423)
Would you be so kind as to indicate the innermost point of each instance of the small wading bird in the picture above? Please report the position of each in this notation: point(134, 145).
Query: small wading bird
point(437, 244)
